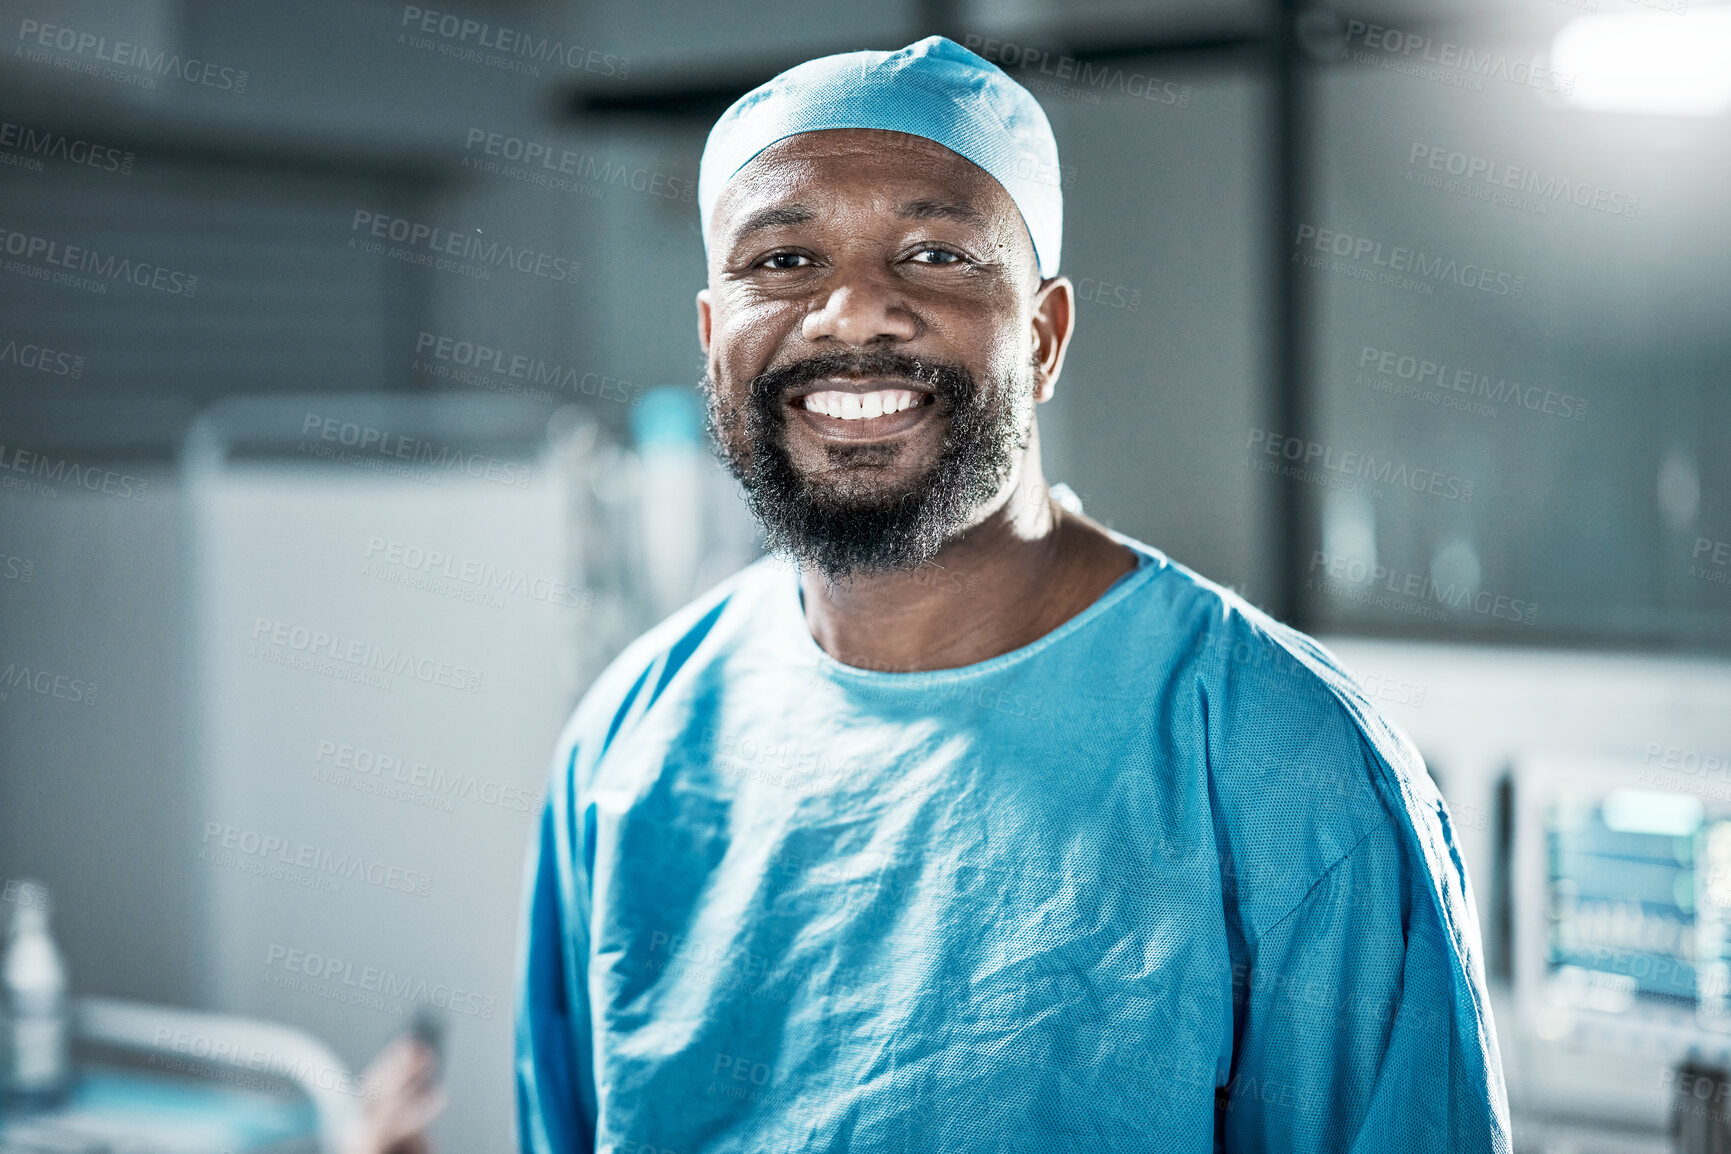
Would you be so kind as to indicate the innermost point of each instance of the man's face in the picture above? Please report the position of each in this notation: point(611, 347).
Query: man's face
point(877, 336)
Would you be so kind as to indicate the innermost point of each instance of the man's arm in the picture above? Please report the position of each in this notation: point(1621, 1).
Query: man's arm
point(1363, 1027)
point(556, 1110)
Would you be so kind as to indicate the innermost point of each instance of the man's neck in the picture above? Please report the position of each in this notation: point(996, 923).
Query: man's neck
point(1019, 573)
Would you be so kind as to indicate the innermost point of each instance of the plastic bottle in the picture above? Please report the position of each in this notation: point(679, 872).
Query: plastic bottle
point(35, 1057)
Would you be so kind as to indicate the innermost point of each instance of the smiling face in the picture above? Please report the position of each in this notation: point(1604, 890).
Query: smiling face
point(877, 336)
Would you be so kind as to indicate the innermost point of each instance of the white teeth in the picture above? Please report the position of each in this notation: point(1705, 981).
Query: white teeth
point(862, 406)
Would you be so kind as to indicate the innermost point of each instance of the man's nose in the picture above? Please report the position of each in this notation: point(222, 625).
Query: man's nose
point(861, 311)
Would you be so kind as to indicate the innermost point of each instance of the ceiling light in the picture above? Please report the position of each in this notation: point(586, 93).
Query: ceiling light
point(1660, 64)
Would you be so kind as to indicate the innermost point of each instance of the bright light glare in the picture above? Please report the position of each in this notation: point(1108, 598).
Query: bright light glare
point(1649, 62)
point(1649, 811)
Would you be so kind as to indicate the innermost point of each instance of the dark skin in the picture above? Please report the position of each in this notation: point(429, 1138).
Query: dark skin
point(865, 239)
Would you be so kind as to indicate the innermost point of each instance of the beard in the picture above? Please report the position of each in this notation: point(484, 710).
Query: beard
point(852, 519)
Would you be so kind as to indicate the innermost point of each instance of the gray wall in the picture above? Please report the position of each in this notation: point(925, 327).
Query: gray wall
point(1164, 215)
point(97, 797)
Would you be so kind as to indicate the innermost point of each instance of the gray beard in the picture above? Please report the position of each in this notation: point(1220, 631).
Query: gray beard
point(851, 528)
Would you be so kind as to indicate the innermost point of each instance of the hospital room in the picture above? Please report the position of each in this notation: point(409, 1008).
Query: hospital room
point(587, 575)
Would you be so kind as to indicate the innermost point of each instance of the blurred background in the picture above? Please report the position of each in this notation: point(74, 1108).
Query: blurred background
point(348, 427)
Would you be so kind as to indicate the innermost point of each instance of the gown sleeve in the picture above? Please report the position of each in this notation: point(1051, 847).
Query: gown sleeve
point(1361, 1019)
point(555, 1078)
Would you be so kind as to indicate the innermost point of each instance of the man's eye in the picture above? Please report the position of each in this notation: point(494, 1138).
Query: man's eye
point(785, 260)
point(936, 256)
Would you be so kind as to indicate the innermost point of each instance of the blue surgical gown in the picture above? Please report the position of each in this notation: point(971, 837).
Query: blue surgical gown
point(1162, 880)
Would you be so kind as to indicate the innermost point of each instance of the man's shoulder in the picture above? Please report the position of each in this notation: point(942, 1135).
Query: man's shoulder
point(1241, 659)
point(1301, 766)
point(687, 639)
point(1231, 649)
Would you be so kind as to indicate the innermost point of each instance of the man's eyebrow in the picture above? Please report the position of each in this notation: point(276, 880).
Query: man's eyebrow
point(943, 210)
point(784, 215)
point(778, 217)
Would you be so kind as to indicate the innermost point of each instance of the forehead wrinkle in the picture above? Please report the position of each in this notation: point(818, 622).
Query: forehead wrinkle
point(923, 208)
point(824, 161)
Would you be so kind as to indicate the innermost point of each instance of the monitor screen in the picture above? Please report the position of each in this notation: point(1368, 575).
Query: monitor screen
point(1638, 883)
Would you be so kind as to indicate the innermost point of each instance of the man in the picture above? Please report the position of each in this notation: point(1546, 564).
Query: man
point(981, 827)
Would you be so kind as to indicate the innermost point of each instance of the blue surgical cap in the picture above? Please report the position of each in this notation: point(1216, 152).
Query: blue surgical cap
point(934, 88)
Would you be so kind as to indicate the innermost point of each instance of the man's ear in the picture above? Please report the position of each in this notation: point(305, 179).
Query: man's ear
point(1053, 321)
point(703, 320)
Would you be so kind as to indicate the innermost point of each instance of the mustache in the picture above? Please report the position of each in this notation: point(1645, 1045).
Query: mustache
point(949, 381)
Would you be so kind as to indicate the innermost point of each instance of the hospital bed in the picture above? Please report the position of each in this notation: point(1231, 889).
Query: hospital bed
point(161, 1080)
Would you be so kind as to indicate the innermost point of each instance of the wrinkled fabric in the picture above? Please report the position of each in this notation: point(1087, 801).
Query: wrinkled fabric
point(1162, 880)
